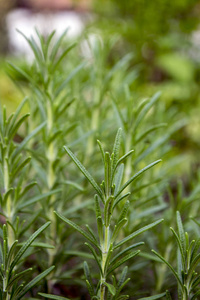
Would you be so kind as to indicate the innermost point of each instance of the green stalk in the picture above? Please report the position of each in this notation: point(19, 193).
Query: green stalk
point(51, 178)
point(128, 166)
point(9, 213)
point(185, 296)
point(105, 248)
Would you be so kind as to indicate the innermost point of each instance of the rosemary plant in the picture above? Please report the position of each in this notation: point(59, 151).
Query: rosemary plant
point(15, 189)
point(50, 99)
point(188, 258)
point(105, 248)
point(13, 284)
point(15, 198)
point(36, 180)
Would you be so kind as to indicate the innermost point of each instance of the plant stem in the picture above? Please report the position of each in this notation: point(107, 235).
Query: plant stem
point(128, 166)
point(105, 248)
point(8, 207)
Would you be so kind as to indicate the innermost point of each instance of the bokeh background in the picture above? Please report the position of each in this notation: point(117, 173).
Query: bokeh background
point(162, 37)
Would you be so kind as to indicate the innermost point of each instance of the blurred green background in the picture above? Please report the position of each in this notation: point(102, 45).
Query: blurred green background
point(162, 38)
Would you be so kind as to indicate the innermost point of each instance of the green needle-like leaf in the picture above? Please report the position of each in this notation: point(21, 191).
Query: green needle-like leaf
point(137, 175)
point(153, 297)
point(84, 171)
point(172, 269)
point(116, 148)
point(78, 228)
point(122, 261)
point(27, 245)
point(95, 256)
point(136, 233)
point(181, 231)
point(35, 199)
point(33, 282)
point(55, 297)
point(110, 287)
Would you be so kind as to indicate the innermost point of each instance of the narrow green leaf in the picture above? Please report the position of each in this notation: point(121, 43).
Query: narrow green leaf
point(79, 254)
point(120, 288)
point(123, 297)
point(91, 232)
point(171, 268)
point(42, 245)
point(124, 211)
point(57, 45)
point(90, 288)
point(118, 227)
point(27, 245)
point(48, 42)
point(97, 207)
point(118, 178)
point(27, 139)
point(195, 250)
point(119, 199)
point(20, 71)
point(17, 112)
point(21, 166)
point(193, 265)
point(109, 254)
point(95, 256)
point(78, 228)
point(85, 172)
point(153, 297)
point(16, 126)
point(7, 194)
point(180, 245)
point(101, 149)
point(108, 210)
point(136, 233)
point(123, 260)
point(123, 158)
point(181, 231)
point(146, 109)
point(27, 188)
point(116, 148)
point(87, 271)
point(153, 128)
point(111, 288)
point(122, 276)
point(64, 53)
point(137, 175)
point(196, 295)
point(11, 252)
point(100, 228)
point(55, 297)
point(126, 250)
point(99, 218)
point(34, 47)
point(33, 282)
point(18, 276)
point(35, 199)
point(107, 167)
point(89, 282)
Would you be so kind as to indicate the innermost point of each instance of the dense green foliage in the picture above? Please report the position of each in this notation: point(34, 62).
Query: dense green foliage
point(74, 215)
